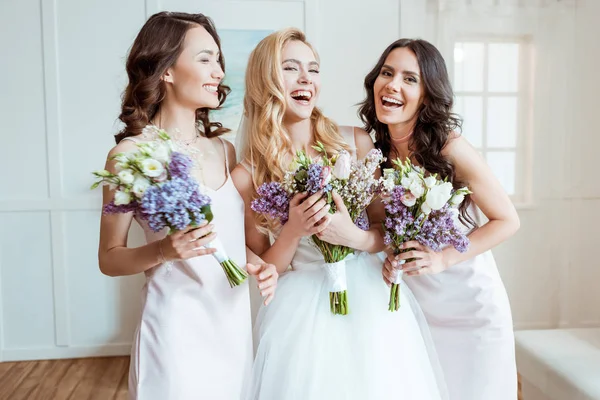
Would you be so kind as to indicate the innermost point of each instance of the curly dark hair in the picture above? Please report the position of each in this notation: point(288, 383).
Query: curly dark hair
point(435, 121)
point(155, 49)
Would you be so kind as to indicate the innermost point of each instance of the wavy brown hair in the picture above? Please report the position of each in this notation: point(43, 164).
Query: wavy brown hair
point(155, 49)
point(435, 121)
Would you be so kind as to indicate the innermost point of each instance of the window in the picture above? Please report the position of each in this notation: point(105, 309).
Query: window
point(492, 80)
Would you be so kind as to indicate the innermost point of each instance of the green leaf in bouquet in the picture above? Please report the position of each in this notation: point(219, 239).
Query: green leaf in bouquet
point(163, 134)
point(123, 157)
point(398, 163)
point(293, 165)
point(464, 191)
point(207, 211)
point(320, 147)
point(103, 174)
point(302, 158)
point(136, 166)
point(301, 175)
point(208, 215)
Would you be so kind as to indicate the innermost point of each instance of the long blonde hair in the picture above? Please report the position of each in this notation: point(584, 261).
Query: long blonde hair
point(268, 142)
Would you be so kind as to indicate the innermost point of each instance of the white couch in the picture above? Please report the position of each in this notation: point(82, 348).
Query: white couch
point(559, 364)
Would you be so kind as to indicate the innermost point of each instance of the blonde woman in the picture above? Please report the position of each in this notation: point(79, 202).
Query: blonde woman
point(305, 352)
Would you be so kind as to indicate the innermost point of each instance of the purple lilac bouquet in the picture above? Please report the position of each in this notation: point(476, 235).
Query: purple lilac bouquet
point(155, 183)
point(421, 208)
point(354, 181)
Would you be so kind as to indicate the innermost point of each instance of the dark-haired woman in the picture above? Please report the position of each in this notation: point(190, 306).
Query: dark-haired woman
point(408, 106)
point(194, 337)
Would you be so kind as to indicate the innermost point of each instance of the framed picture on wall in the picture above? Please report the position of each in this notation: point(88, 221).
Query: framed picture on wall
point(241, 25)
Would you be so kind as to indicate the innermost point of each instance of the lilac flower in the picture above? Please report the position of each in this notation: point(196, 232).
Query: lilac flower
point(407, 219)
point(166, 196)
point(273, 200)
point(179, 165)
point(111, 208)
point(387, 238)
point(357, 190)
point(439, 230)
point(175, 204)
point(436, 230)
point(314, 180)
point(362, 222)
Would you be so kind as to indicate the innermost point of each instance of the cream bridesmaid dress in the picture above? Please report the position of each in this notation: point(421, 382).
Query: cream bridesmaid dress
point(194, 338)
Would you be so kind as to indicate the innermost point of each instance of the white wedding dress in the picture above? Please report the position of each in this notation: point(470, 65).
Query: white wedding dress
point(306, 353)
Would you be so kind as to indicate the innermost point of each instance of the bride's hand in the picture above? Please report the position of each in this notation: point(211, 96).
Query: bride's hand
point(307, 216)
point(341, 230)
point(424, 260)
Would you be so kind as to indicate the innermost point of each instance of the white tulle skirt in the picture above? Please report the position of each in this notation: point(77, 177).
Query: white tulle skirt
point(306, 353)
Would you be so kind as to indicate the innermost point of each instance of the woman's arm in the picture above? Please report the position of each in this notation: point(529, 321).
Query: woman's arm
point(488, 195)
point(308, 215)
point(116, 259)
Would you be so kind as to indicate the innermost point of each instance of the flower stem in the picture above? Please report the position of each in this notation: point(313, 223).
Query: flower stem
point(394, 303)
point(338, 303)
point(235, 275)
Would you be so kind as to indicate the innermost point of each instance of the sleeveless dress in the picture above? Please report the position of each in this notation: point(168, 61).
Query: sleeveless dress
point(194, 338)
point(469, 316)
point(306, 353)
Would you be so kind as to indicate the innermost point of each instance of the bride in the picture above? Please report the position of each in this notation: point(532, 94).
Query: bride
point(304, 351)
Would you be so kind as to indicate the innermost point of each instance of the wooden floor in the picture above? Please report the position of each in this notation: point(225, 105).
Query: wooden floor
point(78, 379)
point(520, 394)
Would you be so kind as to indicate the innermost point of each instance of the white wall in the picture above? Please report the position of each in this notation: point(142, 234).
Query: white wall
point(352, 36)
point(581, 292)
point(63, 73)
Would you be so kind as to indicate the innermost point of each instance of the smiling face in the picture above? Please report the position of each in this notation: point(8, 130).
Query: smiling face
point(196, 75)
point(301, 80)
point(399, 90)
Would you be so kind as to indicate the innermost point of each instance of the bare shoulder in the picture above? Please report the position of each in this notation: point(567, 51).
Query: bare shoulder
point(364, 142)
point(242, 179)
point(123, 146)
point(469, 164)
point(230, 149)
point(362, 137)
point(457, 147)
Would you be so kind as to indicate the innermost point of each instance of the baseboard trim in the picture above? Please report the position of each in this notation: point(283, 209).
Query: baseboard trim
point(53, 353)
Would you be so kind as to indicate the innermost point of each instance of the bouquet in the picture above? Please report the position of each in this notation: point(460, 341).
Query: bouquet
point(355, 183)
point(419, 207)
point(155, 182)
